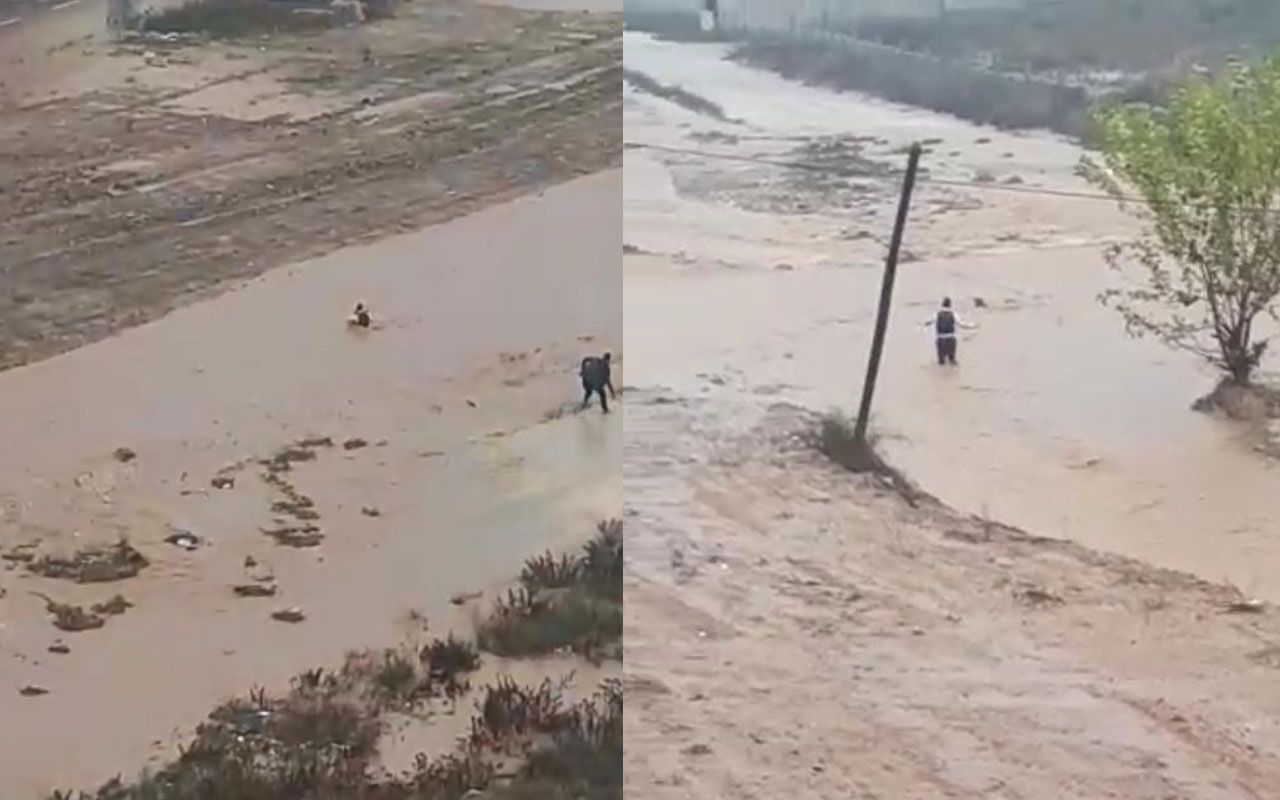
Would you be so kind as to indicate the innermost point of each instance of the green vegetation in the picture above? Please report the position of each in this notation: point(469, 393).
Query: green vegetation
point(574, 603)
point(1129, 35)
point(320, 740)
point(1207, 170)
point(232, 19)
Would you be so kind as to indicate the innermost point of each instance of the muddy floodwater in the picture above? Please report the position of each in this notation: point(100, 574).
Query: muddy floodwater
point(451, 461)
point(747, 285)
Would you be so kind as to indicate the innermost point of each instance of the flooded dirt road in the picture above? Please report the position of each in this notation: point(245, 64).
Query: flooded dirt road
point(479, 326)
point(793, 630)
point(751, 285)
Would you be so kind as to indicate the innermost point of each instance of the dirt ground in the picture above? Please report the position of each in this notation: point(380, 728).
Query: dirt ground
point(792, 630)
point(144, 175)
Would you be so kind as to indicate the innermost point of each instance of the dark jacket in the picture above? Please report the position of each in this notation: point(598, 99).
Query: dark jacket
point(595, 373)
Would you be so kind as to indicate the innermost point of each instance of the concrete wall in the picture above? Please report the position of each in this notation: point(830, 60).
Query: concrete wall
point(787, 15)
point(783, 16)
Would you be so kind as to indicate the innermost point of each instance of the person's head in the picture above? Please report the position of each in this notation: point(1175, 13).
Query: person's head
point(608, 357)
point(946, 302)
point(359, 307)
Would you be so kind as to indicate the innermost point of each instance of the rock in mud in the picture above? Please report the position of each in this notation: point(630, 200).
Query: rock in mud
point(354, 444)
point(124, 455)
point(60, 648)
point(371, 511)
point(32, 691)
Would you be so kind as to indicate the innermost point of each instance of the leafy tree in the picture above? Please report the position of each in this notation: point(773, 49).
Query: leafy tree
point(1206, 168)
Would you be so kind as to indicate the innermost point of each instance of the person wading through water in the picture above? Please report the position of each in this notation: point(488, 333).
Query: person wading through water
point(596, 378)
point(945, 323)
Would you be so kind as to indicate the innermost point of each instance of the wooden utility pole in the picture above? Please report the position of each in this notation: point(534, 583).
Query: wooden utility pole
point(886, 295)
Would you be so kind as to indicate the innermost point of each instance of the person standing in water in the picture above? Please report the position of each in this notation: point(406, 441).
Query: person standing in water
point(945, 323)
point(596, 378)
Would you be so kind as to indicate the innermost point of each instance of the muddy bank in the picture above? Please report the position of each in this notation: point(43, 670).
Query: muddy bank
point(465, 476)
point(792, 629)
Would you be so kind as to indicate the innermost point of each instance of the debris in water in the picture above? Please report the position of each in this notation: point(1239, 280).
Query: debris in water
point(71, 618)
point(471, 402)
point(183, 538)
point(250, 562)
point(295, 536)
point(1246, 607)
point(463, 597)
point(354, 444)
point(32, 691)
point(223, 482)
point(60, 648)
point(293, 614)
point(1033, 595)
point(370, 511)
point(124, 455)
point(254, 590)
point(115, 606)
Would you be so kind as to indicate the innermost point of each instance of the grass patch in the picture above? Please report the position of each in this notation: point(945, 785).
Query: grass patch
point(233, 19)
point(834, 437)
point(92, 564)
point(574, 603)
point(320, 740)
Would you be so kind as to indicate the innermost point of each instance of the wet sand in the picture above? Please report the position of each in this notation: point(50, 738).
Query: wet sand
point(481, 323)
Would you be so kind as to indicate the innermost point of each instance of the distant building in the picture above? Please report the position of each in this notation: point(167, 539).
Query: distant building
point(121, 14)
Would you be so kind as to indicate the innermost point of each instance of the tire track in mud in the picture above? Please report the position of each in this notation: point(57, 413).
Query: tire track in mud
point(84, 252)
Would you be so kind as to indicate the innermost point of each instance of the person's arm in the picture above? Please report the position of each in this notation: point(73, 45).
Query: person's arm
point(608, 381)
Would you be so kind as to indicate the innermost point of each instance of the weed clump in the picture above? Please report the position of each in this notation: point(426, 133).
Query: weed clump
point(834, 437)
point(574, 603)
point(92, 564)
point(320, 740)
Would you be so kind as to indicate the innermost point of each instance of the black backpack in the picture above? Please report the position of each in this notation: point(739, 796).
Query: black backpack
point(945, 324)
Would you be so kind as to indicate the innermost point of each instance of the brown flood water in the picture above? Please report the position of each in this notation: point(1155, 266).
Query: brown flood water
point(480, 326)
point(1055, 420)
